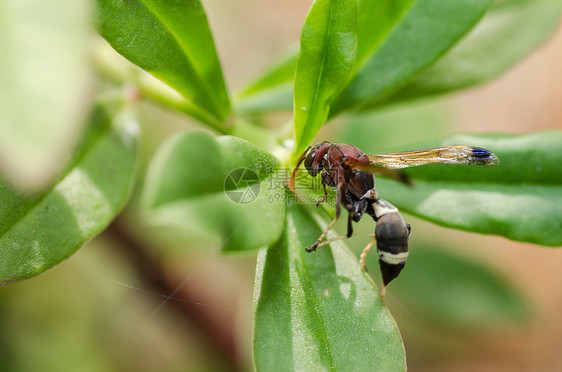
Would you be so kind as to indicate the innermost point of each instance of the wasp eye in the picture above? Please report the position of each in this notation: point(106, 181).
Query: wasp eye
point(309, 159)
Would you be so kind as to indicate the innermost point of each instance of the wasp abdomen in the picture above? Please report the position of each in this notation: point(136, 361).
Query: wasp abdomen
point(392, 234)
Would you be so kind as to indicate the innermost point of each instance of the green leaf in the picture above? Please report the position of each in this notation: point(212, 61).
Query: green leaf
point(38, 232)
point(274, 91)
point(521, 199)
point(173, 42)
point(375, 20)
point(44, 87)
point(482, 55)
point(383, 130)
point(190, 185)
point(326, 58)
point(319, 311)
point(122, 72)
point(451, 291)
point(510, 31)
point(424, 32)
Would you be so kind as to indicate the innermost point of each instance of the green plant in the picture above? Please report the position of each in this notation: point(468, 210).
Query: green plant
point(313, 311)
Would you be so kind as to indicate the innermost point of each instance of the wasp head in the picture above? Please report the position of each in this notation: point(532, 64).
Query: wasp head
point(313, 158)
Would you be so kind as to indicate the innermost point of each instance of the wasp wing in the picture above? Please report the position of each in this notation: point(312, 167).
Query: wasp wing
point(379, 170)
point(388, 165)
point(445, 155)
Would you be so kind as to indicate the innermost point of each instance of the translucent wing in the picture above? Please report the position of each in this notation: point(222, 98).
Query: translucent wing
point(445, 155)
point(384, 164)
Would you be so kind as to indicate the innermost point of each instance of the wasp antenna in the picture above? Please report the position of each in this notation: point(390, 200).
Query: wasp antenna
point(293, 175)
point(292, 180)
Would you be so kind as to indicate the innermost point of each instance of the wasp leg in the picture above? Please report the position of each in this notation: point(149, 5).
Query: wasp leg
point(349, 225)
point(364, 254)
point(325, 193)
point(335, 238)
point(383, 291)
point(339, 195)
point(362, 262)
point(321, 237)
point(348, 235)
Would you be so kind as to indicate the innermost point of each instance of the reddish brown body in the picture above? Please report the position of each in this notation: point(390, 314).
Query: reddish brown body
point(340, 166)
point(330, 159)
point(351, 184)
point(350, 172)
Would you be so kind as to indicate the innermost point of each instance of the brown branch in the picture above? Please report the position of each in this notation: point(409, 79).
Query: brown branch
point(154, 274)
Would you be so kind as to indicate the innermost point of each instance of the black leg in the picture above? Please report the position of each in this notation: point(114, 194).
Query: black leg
point(339, 198)
point(349, 225)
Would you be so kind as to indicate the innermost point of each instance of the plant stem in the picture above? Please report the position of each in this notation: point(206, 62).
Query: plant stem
point(122, 72)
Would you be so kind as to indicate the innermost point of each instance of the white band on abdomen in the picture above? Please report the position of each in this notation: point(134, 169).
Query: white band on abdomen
point(383, 207)
point(393, 258)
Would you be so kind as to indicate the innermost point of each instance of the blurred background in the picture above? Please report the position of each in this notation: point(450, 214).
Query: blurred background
point(495, 308)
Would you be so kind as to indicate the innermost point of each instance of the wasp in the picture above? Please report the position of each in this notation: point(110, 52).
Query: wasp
point(351, 172)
